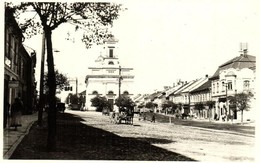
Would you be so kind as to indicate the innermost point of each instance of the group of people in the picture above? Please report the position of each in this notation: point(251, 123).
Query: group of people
point(15, 114)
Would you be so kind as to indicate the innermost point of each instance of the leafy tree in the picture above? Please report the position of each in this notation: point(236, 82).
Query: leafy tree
point(169, 104)
point(241, 100)
point(74, 99)
point(210, 104)
point(141, 105)
point(61, 81)
point(199, 106)
point(124, 101)
point(94, 17)
point(100, 103)
point(149, 105)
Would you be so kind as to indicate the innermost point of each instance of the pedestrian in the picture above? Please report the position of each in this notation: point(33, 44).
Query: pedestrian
point(6, 113)
point(153, 118)
point(16, 112)
point(216, 116)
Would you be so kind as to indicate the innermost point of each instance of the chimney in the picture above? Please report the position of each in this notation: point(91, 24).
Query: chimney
point(243, 49)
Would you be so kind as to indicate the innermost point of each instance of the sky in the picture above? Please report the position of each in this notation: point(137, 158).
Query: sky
point(165, 40)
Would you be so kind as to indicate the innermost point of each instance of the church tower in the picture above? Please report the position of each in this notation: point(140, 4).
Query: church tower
point(108, 78)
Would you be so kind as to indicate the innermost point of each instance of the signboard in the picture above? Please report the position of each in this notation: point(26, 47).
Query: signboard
point(7, 62)
point(13, 84)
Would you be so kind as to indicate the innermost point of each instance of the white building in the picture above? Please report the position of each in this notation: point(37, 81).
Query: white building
point(235, 76)
point(108, 78)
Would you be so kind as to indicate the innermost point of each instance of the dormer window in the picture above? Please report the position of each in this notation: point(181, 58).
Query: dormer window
point(95, 93)
point(110, 92)
point(111, 53)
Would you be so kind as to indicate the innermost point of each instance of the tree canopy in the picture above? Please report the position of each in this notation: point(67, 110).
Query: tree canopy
point(241, 102)
point(91, 17)
point(124, 101)
point(100, 103)
point(61, 81)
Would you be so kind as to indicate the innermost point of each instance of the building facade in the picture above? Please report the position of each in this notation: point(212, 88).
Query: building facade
point(19, 64)
point(108, 78)
point(235, 76)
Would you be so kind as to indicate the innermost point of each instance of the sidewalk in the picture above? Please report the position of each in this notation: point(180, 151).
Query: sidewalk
point(12, 138)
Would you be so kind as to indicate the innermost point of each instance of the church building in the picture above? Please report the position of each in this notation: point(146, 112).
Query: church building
point(108, 77)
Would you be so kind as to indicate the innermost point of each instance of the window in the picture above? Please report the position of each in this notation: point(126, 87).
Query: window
point(110, 71)
point(217, 87)
point(213, 90)
point(94, 92)
point(246, 84)
point(111, 53)
point(110, 92)
point(111, 63)
point(223, 87)
point(126, 93)
point(229, 85)
point(9, 45)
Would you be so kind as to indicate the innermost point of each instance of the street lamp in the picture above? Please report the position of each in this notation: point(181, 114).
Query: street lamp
point(41, 98)
point(119, 89)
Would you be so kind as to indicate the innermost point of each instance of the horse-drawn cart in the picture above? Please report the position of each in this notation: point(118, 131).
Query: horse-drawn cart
point(125, 116)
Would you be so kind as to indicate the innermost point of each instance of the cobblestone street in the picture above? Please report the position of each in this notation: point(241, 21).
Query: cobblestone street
point(196, 143)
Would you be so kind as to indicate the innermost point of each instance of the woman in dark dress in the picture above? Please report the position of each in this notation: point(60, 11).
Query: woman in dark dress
point(16, 112)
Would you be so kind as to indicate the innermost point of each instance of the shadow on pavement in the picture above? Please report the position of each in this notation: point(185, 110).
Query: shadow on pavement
point(77, 141)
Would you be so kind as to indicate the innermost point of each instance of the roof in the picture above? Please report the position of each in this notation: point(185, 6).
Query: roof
point(203, 87)
point(111, 39)
point(183, 87)
point(240, 62)
point(195, 85)
point(83, 92)
point(11, 21)
point(154, 95)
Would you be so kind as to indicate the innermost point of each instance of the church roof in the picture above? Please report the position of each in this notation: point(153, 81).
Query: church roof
point(240, 62)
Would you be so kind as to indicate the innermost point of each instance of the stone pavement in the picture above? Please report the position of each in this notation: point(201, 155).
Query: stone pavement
point(12, 137)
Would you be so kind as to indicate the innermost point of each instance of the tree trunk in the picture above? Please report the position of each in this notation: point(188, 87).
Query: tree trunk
point(41, 102)
point(51, 140)
point(242, 116)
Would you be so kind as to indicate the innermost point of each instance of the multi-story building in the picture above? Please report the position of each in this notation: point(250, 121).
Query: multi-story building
point(108, 78)
point(202, 94)
point(19, 64)
point(235, 76)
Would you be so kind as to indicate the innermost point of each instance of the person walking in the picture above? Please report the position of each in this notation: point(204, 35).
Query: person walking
point(153, 118)
point(16, 112)
point(6, 112)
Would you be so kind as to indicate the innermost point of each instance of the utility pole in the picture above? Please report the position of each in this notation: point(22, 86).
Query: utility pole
point(119, 89)
point(41, 100)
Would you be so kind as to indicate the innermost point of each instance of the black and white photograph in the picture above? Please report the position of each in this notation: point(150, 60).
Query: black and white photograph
point(130, 80)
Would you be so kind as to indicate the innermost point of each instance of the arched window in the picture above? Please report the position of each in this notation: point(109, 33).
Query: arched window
point(126, 93)
point(94, 92)
point(111, 63)
point(110, 92)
